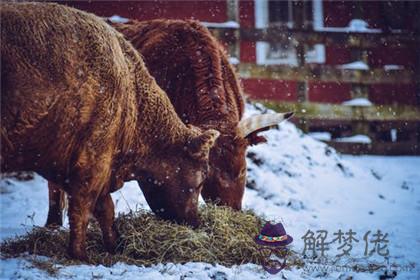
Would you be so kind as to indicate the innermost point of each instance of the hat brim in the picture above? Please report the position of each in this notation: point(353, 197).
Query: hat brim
point(274, 244)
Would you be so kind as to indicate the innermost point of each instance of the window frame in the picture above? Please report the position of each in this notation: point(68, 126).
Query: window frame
point(315, 55)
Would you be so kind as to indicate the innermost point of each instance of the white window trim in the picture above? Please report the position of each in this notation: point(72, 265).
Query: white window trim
point(262, 48)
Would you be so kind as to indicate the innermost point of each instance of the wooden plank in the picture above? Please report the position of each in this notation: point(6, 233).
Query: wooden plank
point(378, 148)
point(329, 115)
point(328, 38)
point(380, 126)
point(325, 111)
point(325, 73)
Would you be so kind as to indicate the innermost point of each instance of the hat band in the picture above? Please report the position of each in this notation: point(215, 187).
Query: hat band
point(272, 238)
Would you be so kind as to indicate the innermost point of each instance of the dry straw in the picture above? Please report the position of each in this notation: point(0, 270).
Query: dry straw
point(224, 237)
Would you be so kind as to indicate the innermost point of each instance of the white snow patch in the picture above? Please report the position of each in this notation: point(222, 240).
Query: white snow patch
point(360, 101)
point(316, 54)
point(118, 19)
point(355, 65)
point(358, 138)
point(390, 67)
point(226, 24)
point(355, 25)
point(394, 134)
point(321, 136)
point(359, 25)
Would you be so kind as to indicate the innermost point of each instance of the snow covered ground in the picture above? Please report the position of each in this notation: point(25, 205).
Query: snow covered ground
point(294, 179)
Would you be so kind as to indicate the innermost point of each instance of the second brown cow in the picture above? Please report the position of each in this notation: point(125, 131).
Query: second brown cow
point(193, 69)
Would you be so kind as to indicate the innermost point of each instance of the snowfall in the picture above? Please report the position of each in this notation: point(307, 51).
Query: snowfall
point(294, 179)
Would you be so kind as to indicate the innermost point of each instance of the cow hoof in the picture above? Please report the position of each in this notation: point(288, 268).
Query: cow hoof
point(110, 241)
point(79, 255)
point(111, 247)
point(194, 223)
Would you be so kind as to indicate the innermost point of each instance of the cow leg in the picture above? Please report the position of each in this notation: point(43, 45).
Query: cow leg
point(104, 213)
point(56, 197)
point(81, 203)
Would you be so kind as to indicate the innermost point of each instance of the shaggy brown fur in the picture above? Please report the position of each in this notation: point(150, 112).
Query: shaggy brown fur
point(188, 62)
point(79, 107)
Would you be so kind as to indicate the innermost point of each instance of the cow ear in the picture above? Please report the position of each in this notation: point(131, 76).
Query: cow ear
point(255, 139)
point(199, 147)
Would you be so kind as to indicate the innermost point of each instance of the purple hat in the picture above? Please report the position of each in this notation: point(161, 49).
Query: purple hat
point(273, 235)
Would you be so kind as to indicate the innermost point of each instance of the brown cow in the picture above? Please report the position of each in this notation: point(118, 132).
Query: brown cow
point(193, 69)
point(79, 107)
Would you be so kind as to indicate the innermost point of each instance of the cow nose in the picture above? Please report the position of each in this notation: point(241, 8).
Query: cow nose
point(223, 181)
point(194, 223)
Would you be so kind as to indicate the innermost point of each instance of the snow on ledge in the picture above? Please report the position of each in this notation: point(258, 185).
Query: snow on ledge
point(358, 102)
point(321, 136)
point(390, 67)
point(359, 25)
point(358, 138)
point(118, 19)
point(355, 65)
point(355, 25)
point(226, 24)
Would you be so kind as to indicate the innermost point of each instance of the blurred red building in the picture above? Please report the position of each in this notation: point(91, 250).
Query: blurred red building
point(339, 16)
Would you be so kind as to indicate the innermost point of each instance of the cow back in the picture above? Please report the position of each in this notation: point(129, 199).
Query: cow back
point(192, 68)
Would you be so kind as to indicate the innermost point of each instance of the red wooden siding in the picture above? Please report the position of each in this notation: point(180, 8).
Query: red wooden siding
point(337, 55)
point(388, 94)
point(386, 55)
point(246, 13)
point(248, 54)
point(270, 89)
point(247, 20)
point(329, 92)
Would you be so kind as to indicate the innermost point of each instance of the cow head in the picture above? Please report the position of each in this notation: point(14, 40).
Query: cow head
point(227, 176)
point(174, 177)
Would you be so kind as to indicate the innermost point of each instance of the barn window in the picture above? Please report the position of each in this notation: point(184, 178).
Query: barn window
point(283, 14)
point(280, 13)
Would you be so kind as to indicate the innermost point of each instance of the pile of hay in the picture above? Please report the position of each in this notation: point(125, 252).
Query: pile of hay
point(225, 237)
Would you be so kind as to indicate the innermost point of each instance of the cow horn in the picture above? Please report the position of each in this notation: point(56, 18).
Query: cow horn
point(254, 123)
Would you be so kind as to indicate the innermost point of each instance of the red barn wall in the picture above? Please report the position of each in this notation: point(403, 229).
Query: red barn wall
point(247, 20)
point(271, 89)
point(329, 92)
point(390, 94)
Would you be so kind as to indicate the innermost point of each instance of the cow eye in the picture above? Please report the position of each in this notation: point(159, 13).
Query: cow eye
point(205, 173)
